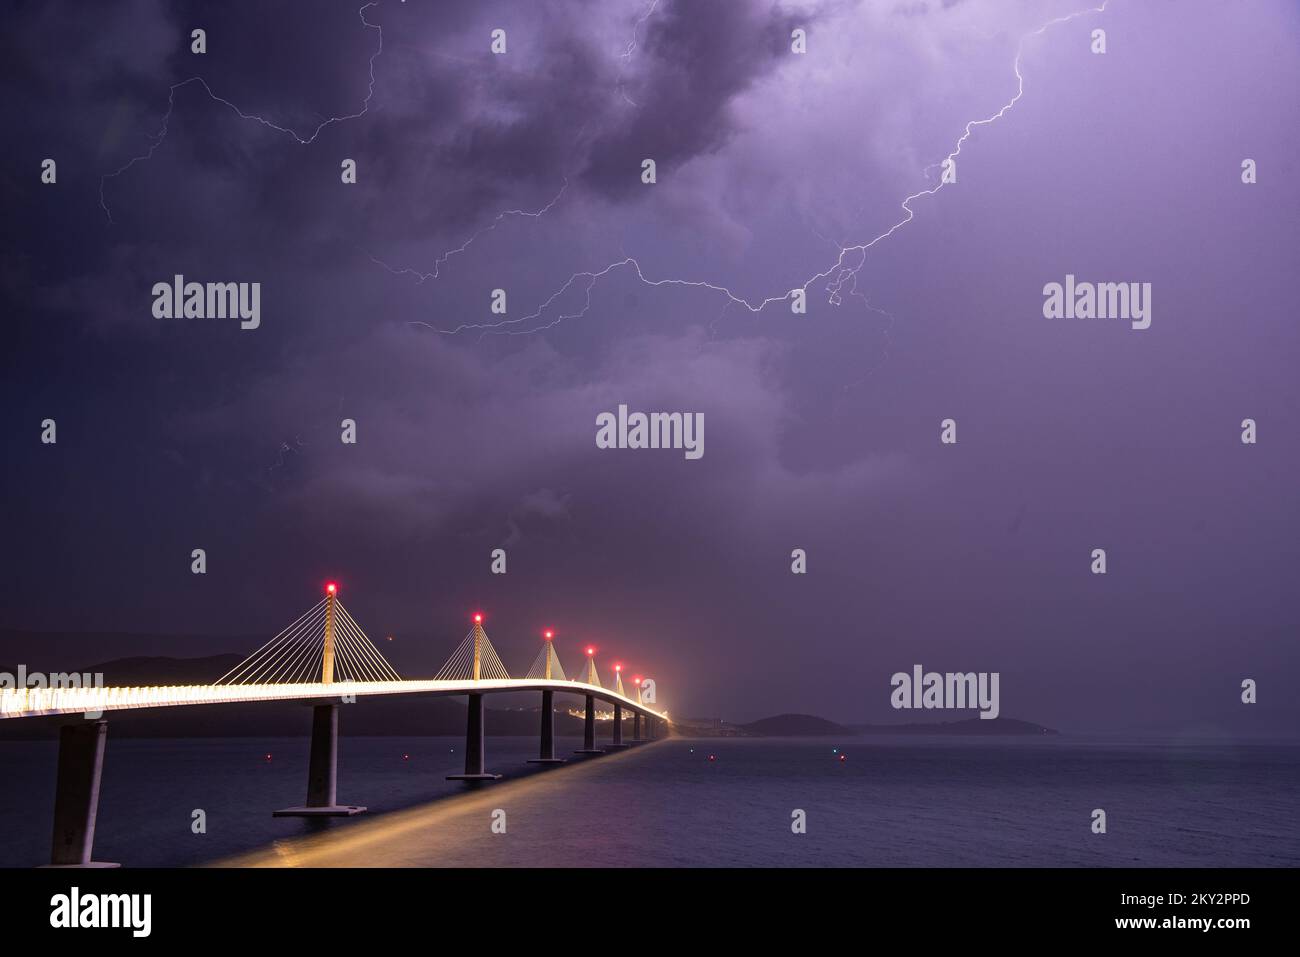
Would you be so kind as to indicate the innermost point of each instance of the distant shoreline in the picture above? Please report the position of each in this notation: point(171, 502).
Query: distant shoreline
point(811, 726)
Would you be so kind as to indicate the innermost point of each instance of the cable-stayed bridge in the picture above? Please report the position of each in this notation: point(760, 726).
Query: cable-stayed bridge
point(324, 659)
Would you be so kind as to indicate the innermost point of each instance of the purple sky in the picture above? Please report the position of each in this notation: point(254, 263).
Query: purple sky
point(822, 431)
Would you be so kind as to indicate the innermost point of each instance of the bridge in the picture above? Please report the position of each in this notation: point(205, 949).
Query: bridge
point(323, 659)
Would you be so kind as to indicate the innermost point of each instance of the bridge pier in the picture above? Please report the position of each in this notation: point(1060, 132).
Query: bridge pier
point(547, 755)
point(636, 728)
point(475, 751)
point(617, 744)
point(76, 794)
point(589, 729)
point(323, 769)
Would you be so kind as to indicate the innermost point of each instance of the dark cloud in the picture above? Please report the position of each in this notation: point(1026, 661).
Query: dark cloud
point(821, 430)
point(695, 58)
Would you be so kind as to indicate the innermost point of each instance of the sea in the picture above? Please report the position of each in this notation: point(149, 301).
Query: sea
point(877, 801)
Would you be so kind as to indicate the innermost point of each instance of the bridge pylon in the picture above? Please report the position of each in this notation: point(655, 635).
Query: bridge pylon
point(483, 663)
point(327, 655)
point(474, 658)
point(548, 664)
point(76, 794)
point(636, 715)
point(589, 674)
point(589, 715)
point(323, 762)
point(617, 743)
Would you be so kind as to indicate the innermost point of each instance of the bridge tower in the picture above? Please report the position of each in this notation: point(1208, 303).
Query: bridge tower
point(589, 716)
point(636, 716)
point(617, 744)
point(327, 660)
point(479, 635)
point(323, 763)
point(475, 747)
point(550, 670)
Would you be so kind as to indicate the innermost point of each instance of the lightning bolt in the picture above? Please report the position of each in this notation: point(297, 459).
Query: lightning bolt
point(631, 44)
point(157, 139)
point(626, 55)
point(438, 263)
point(840, 278)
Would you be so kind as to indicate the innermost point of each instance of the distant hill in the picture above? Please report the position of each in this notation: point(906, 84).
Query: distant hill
point(144, 670)
point(794, 726)
point(970, 726)
point(56, 650)
point(808, 726)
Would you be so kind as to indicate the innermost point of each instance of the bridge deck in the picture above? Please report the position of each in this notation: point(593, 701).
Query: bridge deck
point(36, 702)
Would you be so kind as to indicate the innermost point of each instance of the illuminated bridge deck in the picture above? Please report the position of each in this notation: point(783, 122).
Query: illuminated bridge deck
point(36, 702)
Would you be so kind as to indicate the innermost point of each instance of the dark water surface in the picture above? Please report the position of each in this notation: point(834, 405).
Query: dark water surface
point(902, 800)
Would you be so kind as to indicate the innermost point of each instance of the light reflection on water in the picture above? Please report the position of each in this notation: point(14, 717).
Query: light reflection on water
point(894, 801)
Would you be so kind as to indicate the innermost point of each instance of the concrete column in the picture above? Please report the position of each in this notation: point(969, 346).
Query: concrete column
point(76, 794)
point(475, 745)
point(322, 769)
point(636, 727)
point(475, 750)
point(617, 743)
point(589, 729)
point(548, 731)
